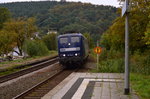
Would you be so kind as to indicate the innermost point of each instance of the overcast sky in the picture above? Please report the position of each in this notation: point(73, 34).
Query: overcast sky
point(99, 2)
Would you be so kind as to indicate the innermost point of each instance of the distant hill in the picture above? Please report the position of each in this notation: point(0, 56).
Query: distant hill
point(68, 16)
point(29, 9)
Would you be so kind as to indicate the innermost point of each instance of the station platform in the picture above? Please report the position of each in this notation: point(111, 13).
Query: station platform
point(91, 86)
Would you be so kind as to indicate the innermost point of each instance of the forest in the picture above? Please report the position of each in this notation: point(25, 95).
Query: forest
point(65, 16)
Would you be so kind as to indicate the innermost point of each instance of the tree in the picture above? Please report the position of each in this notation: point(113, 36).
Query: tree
point(23, 29)
point(81, 17)
point(50, 41)
point(69, 16)
point(74, 27)
point(90, 40)
point(7, 42)
point(114, 37)
point(35, 48)
point(147, 34)
point(4, 16)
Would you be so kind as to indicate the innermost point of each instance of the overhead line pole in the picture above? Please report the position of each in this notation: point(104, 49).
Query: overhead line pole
point(127, 73)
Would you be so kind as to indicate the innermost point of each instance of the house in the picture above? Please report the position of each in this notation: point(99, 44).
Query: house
point(52, 31)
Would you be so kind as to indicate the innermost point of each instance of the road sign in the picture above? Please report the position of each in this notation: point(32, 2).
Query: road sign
point(97, 50)
point(124, 8)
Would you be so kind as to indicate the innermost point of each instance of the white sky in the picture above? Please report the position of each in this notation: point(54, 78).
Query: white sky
point(99, 2)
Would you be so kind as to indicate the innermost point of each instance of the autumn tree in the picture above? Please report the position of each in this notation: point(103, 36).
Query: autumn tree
point(6, 38)
point(114, 36)
point(7, 42)
point(139, 19)
point(23, 29)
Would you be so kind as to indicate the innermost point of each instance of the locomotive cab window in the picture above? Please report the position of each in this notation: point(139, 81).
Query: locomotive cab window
point(63, 40)
point(75, 39)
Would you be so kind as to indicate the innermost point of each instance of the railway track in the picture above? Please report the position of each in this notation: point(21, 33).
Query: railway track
point(44, 87)
point(34, 66)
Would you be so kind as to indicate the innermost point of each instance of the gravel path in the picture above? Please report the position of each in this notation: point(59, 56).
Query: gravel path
point(14, 87)
point(91, 63)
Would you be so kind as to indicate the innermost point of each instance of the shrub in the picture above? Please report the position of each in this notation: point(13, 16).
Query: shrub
point(140, 63)
point(35, 48)
point(111, 54)
point(103, 55)
point(112, 65)
point(113, 61)
point(50, 41)
point(114, 54)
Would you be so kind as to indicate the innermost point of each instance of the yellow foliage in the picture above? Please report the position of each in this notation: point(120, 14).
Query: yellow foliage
point(17, 31)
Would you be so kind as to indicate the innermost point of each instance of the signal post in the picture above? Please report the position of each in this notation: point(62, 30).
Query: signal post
point(97, 50)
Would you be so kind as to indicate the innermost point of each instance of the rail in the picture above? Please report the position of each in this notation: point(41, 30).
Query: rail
point(36, 66)
point(45, 86)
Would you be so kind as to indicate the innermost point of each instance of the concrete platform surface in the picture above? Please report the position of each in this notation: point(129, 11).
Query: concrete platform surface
point(91, 86)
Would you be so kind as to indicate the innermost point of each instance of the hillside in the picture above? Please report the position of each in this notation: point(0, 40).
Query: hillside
point(69, 16)
point(29, 9)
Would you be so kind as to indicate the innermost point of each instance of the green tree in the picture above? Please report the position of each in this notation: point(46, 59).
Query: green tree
point(74, 27)
point(147, 34)
point(90, 40)
point(68, 16)
point(4, 16)
point(50, 41)
point(35, 48)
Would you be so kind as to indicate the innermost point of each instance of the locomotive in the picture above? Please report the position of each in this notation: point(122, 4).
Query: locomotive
point(72, 49)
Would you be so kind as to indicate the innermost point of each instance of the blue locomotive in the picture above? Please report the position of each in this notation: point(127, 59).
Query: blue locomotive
point(72, 48)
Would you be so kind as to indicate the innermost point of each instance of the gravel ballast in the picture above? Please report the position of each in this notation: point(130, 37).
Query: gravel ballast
point(16, 86)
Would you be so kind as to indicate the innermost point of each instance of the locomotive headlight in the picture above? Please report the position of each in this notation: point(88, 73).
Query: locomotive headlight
point(64, 55)
point(76, 54)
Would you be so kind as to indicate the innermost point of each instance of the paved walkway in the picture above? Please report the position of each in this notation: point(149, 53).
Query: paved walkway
point(91, 86)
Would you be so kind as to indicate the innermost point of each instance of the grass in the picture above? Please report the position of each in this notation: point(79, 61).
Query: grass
point(51, 53)
point(15, 61)
point(10, 70)
point(141, 84)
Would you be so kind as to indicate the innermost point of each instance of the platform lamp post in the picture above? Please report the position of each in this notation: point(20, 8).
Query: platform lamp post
point(125, 12)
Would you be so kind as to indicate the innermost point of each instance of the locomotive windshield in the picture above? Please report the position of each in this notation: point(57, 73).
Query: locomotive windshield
point(75, 39)
point(63, 40)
